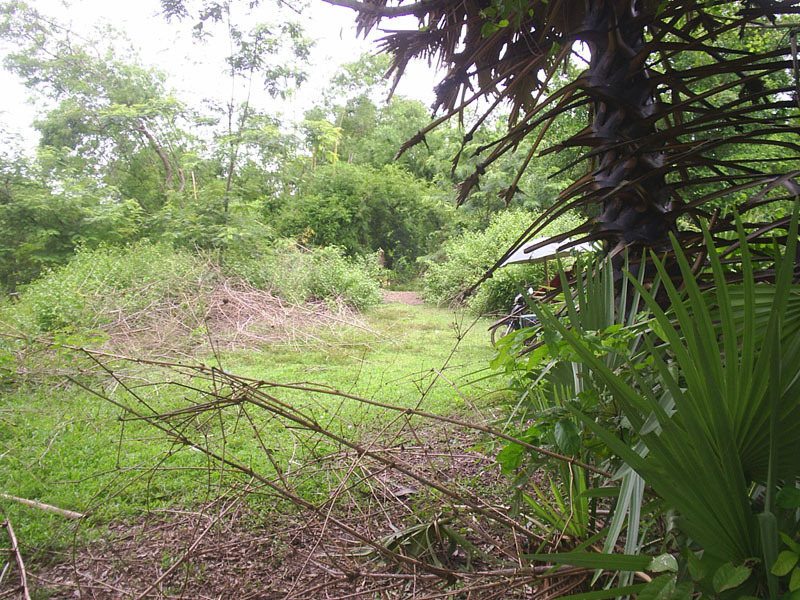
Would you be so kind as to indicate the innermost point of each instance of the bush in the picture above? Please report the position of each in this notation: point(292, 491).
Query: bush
point(144, 282)
point(98, 286)
point(364, 209)
point(299, 274)
point(463, 259)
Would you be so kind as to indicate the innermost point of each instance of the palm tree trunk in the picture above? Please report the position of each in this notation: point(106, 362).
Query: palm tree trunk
point(635, 195)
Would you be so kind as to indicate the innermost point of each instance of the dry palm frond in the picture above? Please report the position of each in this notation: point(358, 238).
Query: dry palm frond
point(688, 118)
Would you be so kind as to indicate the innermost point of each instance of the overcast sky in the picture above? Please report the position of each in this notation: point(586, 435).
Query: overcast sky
point(196, 71)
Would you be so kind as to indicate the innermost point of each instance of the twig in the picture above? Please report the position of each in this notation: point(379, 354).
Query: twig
point(194, 545)
point(23, 577)
point(42, 506)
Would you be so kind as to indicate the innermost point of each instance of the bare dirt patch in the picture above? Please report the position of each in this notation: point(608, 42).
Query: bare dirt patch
point(412, 298)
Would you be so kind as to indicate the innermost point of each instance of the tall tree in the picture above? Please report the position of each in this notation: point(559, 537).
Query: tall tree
point(256, 58)
point(115, 116)
point(675, 90)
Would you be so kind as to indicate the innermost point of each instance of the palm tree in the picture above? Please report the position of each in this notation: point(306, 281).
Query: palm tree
point(693, 105)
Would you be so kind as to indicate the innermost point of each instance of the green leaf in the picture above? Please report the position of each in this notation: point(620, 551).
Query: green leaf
point(794, 580)
point(790, 542)
point(768, 528)
point(788, 497)
point(568, 437)
point(697, 569)
point(488, 29)
point(502, 23)
point(601, 492)
point(510, 458)
point(784, 563)
point(729, 576)
point(683, 591)
point(663, 562)
point(661, 588)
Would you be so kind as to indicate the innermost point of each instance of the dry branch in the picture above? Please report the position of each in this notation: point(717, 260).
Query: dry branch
point(46, 507)
point(23, 576)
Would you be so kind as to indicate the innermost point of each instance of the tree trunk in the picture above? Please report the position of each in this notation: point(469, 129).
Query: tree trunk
point(161, 154)
point(635, 196)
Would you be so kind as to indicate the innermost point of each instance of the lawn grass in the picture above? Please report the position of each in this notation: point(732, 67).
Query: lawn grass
point(64, 446)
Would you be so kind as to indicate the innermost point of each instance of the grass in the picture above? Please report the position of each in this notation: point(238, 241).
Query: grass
point(63, 446)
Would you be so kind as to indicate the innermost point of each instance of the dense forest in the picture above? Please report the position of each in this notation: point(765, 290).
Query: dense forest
point(209, 389)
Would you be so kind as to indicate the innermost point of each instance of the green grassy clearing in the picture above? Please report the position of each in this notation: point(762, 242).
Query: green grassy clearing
point(64, 446)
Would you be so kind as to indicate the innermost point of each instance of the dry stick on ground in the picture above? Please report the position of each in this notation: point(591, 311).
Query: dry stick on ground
point(46, 507)
point(273, 405)
point(253, 386)
point(235, 502)
point(491, 431)
point(23, 576)
point(340, 489)
point(206, 371)
point(155, 421)
point(158, 421)
point(249, 393)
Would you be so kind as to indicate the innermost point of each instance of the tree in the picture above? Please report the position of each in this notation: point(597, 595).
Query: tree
point(41, 225)
point(114, 116)
point(365, 209)
point(255, 58)
point(692, 104)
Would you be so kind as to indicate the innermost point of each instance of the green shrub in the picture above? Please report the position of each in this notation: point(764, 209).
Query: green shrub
point(144, 282)
point(101, 285)
point(364, 209)
point(354, 280)
point(299, 274)
point(463, 259)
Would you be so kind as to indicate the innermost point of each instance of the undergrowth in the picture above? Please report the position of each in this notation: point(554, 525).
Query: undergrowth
point(464, 259)
point(300, 274)
point(143, 281)
point(63, 445)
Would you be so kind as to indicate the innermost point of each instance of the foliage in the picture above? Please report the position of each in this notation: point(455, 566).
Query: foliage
point(691, 105)
point(98, 285)
point(366, 209)
point(108, 116)
point(299, 274)
point(546, 378)
point(463, 259)
point(703, 392)
point(42, 225)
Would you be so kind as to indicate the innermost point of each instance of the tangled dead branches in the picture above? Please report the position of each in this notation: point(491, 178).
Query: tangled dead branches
point(362, 500)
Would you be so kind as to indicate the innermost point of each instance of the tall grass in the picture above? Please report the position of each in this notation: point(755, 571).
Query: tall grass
point(98, 285)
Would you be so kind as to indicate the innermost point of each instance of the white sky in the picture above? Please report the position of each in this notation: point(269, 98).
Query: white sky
point(196, 71)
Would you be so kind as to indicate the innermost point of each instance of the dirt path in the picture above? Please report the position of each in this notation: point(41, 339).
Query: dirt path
point(402, 297)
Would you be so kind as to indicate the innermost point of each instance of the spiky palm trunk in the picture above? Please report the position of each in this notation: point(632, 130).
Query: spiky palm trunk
point(627, 177)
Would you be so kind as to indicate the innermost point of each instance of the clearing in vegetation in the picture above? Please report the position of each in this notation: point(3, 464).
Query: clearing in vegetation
point(198, 483)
